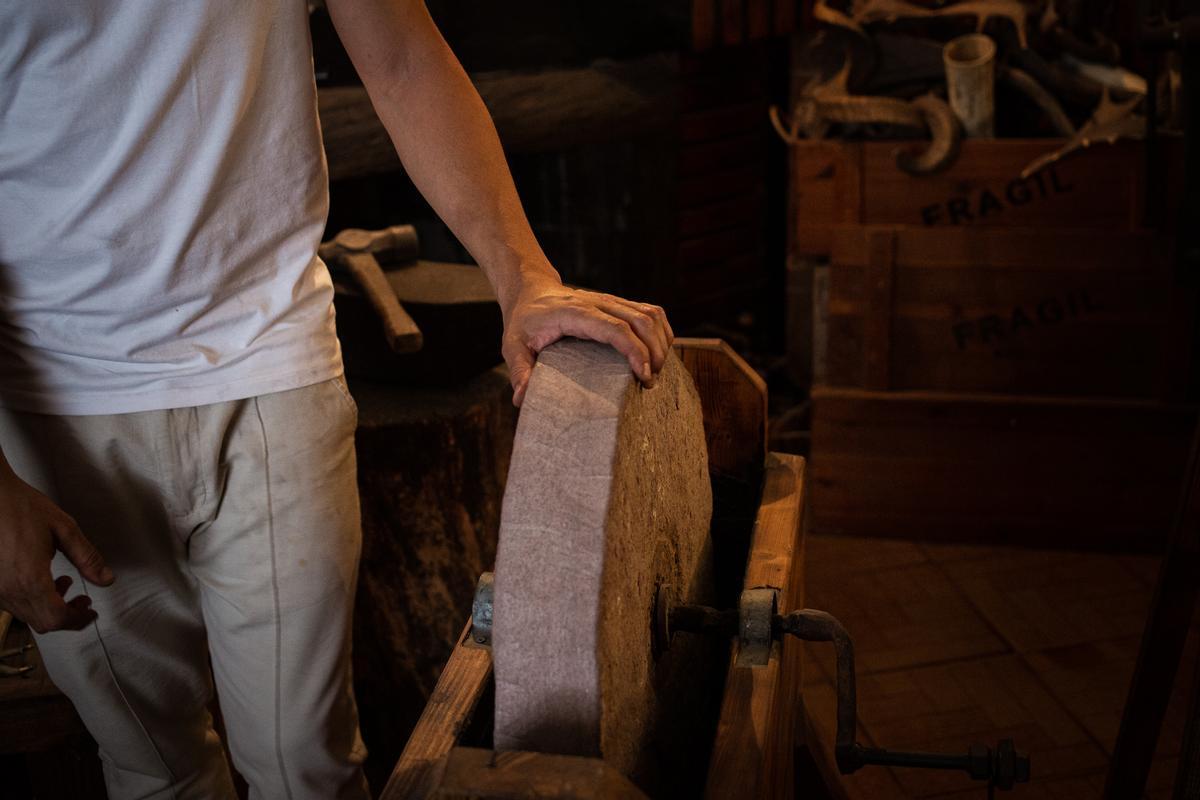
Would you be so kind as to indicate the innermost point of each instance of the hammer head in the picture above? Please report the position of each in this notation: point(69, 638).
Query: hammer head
point(390, 245)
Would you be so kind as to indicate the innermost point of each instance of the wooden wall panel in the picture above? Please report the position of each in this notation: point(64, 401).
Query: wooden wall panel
point(1022, 311)
point(1054, 472)
point(838, 182)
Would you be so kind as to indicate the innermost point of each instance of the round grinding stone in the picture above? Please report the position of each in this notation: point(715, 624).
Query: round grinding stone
point(608, 496)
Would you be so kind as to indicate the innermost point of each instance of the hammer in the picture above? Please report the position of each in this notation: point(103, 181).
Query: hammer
point(357, 251)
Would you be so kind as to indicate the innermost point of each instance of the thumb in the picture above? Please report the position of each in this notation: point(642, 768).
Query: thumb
point(520, 367)
point(83, 554)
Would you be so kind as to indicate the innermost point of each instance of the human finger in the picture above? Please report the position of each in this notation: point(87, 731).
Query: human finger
point(600, 327)
point(658, 313)
point(644, 325)
point(82, 553)
point(47, 611)
point(520, 359)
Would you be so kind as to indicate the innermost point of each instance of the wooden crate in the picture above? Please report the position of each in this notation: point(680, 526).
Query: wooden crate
point(1051, 472)
point(1020, 310)
point(835, 183)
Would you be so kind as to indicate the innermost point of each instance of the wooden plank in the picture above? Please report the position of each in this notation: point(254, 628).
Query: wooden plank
point(826, 191)
point(784, 16)
point(724, 77)
point(724, 154)
point(877, 324)
point(704, 24)
point(741, 182)
point(1052, 472)
point(1027, 248)
point(698, 220)
point(701, 126)
point(533, 112)
point(1094, 189)
point(446, 715)
point(752, 753)
point(724, 304)
point(718, 247)
point(1097, 189)
point(852, 186)
point(758, 19)
point(476, 774)
point(1162, 645)
point(817, 196)
point(1024, 311)
point(741, 271)
point(733, 22)
point(734, 399)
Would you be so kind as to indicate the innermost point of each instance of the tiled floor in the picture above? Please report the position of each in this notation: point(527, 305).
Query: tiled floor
point(958, 644)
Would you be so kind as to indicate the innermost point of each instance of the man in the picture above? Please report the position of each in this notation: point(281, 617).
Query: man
point(178, 482)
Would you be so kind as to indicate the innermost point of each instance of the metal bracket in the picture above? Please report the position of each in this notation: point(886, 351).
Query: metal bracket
point(481, 613)
point(756, 617)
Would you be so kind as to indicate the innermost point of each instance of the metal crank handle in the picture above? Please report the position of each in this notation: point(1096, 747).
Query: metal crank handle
point(1001, 767)
point(758, 626)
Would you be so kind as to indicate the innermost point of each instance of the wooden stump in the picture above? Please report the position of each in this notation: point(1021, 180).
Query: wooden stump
point(431, 470)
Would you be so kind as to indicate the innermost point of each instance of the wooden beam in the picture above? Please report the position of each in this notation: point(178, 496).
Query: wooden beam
point(475, 774)
point(733, 22)
point(734, 398)
point(1162, 645)
point(533, 111)
point(704, 24)
point(753, 752)
point(976, 467)
point(447, 713)
point(758, 19)
point(877, 327)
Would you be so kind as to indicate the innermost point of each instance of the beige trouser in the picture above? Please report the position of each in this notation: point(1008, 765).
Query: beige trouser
point(233, 530)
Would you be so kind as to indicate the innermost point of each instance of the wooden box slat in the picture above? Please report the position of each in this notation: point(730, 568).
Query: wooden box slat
point(1022, 311)
point(1060, 472)
point(835, 183)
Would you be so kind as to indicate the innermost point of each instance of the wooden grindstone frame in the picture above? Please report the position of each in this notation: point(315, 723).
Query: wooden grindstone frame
point(758, 537)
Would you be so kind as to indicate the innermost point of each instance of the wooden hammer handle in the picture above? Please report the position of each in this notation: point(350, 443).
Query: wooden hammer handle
point(403, 335)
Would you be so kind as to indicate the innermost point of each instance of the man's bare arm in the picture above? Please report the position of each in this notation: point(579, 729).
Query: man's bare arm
point(448, 144)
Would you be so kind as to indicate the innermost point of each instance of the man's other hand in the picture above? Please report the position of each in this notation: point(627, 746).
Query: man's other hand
point(544, 314)
point(31, 529)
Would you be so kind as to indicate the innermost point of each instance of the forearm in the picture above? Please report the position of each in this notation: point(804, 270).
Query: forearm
point(449, 146)
point(445, 138)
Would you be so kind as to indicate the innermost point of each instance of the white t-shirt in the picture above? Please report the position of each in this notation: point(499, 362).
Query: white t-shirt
point(163, 191)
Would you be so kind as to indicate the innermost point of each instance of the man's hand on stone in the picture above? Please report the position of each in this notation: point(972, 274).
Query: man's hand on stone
point(31, 529)
point(545, 313)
